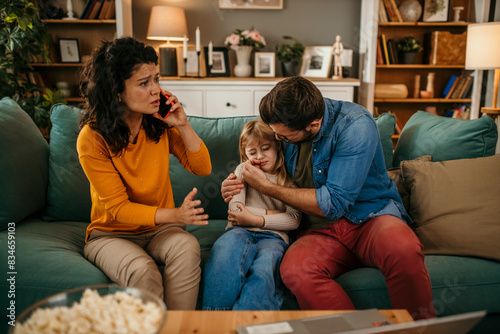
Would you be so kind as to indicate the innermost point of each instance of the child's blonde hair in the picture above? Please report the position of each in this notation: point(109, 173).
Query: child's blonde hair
point(256, 131)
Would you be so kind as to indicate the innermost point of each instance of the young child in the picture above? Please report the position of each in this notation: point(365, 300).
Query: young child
point(242, 271)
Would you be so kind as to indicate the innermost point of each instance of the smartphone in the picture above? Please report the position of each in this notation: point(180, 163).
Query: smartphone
point(164, 110)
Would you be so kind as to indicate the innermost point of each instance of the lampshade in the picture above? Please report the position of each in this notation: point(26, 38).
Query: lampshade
point(167, 24)
point(483, 47)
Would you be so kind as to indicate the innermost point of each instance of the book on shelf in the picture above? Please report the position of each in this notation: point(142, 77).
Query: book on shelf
point(467, 90)
point(453, 86)
point(380, 57)
point(382, 14)
point(86, 9)
point(460, 111)
point(392, 51)
point(449, 85)
point(392, 10)
point(107, 10)
point(385, 52)
point(94, 13)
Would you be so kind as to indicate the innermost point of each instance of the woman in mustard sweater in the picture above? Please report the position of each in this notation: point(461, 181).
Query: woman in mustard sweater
point(124, 148)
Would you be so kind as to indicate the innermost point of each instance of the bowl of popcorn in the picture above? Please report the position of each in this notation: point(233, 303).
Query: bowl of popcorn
point(95, 309)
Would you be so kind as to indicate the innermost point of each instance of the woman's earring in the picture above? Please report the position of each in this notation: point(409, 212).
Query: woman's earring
point(119, 99)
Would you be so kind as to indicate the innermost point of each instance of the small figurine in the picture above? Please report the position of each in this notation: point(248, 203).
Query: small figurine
point(337, 50)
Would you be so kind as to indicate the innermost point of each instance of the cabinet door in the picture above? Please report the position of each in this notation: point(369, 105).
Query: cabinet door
point(226, 103)
point(338, 93)
point(191, 100)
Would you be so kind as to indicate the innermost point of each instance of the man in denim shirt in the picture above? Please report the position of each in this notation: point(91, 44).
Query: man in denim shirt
point(353, 215)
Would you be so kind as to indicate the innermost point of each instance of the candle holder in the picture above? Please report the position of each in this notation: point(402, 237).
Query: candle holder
point(185, 67)
point(199, 62)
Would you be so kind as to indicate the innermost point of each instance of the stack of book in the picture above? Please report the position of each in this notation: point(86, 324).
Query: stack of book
point(98, 10)
point(386, 51)
point(458, 87)
point(388, 11)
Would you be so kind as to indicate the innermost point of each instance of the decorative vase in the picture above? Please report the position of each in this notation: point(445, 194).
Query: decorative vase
point(410, 10)
point(290, 69)
point(243, 67)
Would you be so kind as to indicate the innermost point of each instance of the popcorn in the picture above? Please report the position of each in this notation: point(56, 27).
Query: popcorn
point(118, 313)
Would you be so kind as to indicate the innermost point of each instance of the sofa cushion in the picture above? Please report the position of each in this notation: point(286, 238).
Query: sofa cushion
point(386, 123)
point(24, 158)
point(221, 136)
point(445, 138)
point(454, 205)
point(68, 194)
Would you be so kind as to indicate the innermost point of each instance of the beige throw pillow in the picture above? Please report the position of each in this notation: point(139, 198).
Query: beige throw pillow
point(455, 205)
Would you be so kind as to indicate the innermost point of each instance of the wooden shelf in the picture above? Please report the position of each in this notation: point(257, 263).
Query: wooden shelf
point(74, 99)
point(80, 21)
point(424, 24)
point(57, 64)
point(412, 100)
point(419, 66)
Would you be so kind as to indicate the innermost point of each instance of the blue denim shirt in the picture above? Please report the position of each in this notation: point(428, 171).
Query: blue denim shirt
point(348, 166)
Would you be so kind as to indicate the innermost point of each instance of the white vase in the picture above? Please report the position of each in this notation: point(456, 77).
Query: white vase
point(243, 67)
point(410, 10)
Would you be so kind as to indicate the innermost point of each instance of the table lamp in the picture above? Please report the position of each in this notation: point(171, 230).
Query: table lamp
point(167, 24)
point(483, 53)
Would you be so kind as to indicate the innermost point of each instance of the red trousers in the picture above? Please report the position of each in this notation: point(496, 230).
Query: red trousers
point(312, 263)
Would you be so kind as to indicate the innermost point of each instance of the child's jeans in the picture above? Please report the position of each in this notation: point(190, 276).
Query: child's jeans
point(242, 271)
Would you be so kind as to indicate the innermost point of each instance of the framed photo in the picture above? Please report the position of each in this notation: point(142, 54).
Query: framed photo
point(316, 61)
point(265, 64)
point(251, 4)
point(220, 62)
point(435, 11)
point(69, 50)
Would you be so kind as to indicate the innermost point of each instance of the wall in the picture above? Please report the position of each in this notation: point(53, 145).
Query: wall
point(312, 22)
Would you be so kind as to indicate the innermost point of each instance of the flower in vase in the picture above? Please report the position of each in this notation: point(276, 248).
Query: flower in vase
point(245, 37)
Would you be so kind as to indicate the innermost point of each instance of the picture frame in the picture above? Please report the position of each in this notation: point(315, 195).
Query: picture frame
point(265, 64)
point(220, 65)
point(69, 50)
point(435, 11)
point(251, 4)
point(316, 61)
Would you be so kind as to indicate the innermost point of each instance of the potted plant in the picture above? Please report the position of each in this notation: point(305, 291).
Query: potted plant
point(408, 48)
point(290, 56)
point(24, 37)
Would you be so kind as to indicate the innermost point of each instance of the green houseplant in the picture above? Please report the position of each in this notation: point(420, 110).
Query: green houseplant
point(408, 48)
point(23, 38)
point(290, 56)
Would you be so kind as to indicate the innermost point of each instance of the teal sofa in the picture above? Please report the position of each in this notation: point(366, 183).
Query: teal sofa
point(45, 205)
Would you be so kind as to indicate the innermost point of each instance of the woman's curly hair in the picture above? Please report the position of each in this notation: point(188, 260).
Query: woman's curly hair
point(103, 79)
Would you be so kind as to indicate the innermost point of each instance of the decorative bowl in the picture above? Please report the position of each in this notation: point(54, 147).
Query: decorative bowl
point(94, 309)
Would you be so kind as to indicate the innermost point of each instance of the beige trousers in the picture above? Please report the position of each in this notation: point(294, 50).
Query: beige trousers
point(133, 259)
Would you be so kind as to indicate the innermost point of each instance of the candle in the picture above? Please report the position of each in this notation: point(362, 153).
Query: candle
point(185, 48)
point(210, 53)
point(198, 39)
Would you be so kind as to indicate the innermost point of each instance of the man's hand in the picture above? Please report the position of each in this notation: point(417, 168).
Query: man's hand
point(253, 175)
point(230, 187)
point(244, 218)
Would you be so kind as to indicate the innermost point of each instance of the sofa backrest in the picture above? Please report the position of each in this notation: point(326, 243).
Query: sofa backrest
point(24, 155)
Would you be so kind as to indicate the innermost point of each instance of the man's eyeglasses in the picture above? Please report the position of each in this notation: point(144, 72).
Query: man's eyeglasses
point(285, 139)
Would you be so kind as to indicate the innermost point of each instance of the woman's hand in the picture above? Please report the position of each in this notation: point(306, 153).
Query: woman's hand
point(244, 218)
point(177, 116)
point(189, 214)
point(230, 187)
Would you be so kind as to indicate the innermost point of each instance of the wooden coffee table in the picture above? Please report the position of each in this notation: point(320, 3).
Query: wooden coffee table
point(225, 322)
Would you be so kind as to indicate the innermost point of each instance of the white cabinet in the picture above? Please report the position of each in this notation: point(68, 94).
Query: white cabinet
point(223, 97)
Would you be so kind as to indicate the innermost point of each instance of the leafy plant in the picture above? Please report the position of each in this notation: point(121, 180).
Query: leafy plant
point(290, 52)
point(23, 38)
point(409, 44)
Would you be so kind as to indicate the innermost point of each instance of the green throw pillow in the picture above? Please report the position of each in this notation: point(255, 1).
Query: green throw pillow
point(386, 123)
point(68, 195)
point(445, 138)
point(24, 155)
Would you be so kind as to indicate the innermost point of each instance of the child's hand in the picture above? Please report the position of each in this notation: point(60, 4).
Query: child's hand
point(189, 213)
point(244, 218)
